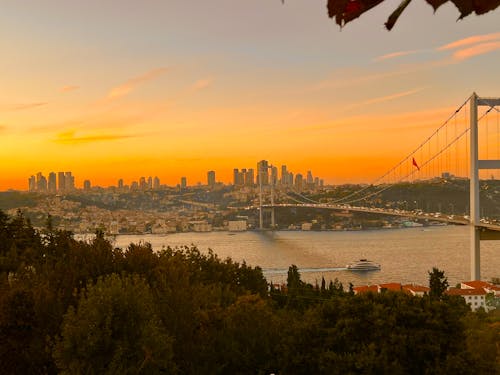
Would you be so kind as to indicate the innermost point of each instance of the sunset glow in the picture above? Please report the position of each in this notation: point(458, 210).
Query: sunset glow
point(124, 89)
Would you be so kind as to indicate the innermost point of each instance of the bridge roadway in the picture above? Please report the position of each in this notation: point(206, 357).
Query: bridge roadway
point(418, 215)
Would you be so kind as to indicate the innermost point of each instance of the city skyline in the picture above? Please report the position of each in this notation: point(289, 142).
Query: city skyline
point(130, 89)
point(66, 181)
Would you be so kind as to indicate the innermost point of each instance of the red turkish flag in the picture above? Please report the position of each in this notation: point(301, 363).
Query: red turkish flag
point(414, 162)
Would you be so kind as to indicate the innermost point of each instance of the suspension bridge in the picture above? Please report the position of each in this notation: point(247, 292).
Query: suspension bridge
point(465, 146)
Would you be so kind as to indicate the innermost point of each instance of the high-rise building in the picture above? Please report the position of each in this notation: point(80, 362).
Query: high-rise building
point(299, 181)
point(142, 183)
point(262, 167)
point(235, 176)
point(150, 182)
point(69, 181)
point(274, 175)
point(41, 183)
point(86, 185)
point(32, 184)
point(52, 184)
point(183, 183)
point(211, 178)
point(249, 177)
point(156, 183)
point(120, 183)
point(284, 175)
point(310, 179)
point(61, 182)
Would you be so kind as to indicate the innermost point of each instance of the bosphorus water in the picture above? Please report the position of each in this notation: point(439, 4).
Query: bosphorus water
point(406, 255)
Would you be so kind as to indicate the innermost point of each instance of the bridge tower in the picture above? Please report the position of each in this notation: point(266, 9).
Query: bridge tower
point(477, 232)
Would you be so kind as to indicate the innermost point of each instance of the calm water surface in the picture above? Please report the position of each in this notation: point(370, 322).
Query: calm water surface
point(406, 255)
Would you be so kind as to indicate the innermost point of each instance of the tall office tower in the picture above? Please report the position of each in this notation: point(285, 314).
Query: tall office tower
point(61, 182)
point(284, 175)
point(183, 183)
point(290, 179)
point(120, 183)
point(69, 181)
point(316, 181)
point(41, 183)
point(240, 177)
point(262, 167)
point(211, 178)
point(156, 183)
point(134, 185)
point(321, 182)
point(249, 177)
point(52, 184)
point(299, 181)
point(142, 183)
point(310, 179)
point(32, 183)
point(235, 176)
point(150, 182)
point(86, 185)
point(274, 175)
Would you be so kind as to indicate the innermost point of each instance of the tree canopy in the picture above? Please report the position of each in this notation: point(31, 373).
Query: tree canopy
point(344, 11)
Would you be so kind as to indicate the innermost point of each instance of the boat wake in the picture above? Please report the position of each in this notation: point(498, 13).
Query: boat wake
point(276, 271)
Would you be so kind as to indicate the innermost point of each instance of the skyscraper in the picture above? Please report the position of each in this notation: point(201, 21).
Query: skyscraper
point(120, 184)
point(52, 184)
point(211, 178)
point(235, 176)
point(183, 183)
point(61, 180)
point(86, 185)
point(249, 177)
point(156, 183)
point(32, 184)
point(69, 181)
point(262, 167)
point(41, 183)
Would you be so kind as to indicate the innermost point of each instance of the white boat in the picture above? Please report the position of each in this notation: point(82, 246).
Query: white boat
point(363, 265)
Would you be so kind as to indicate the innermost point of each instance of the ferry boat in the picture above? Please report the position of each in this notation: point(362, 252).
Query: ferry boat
point(363, 265)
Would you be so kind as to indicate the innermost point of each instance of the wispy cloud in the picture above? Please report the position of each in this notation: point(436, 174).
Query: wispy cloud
point(202, 84)
point(131, 84)
point(476, 50)
point(470, 40)
point(351, 77)
point(395, 55)
point(387, 98)
point(70, 137)
point(472, 46)
point(23, 106)
point(69, 88)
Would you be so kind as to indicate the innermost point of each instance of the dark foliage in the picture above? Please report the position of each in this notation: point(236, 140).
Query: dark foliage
point(73, 307)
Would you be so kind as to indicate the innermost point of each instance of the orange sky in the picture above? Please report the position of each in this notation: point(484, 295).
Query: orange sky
point(158, 89)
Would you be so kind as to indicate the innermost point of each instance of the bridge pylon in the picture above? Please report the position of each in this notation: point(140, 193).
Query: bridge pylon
point(475, 166)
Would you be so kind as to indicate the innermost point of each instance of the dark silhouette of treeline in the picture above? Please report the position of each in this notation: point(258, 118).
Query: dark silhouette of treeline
point(73, 307)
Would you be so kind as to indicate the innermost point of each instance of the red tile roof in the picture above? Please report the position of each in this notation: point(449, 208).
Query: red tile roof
point(365, 288)
point(391, 286)
point(466, 292)
point(416, 288)
point(477, 284)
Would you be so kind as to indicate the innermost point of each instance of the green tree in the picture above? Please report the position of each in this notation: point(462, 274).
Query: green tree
point(438, 283)
point(115, 329)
